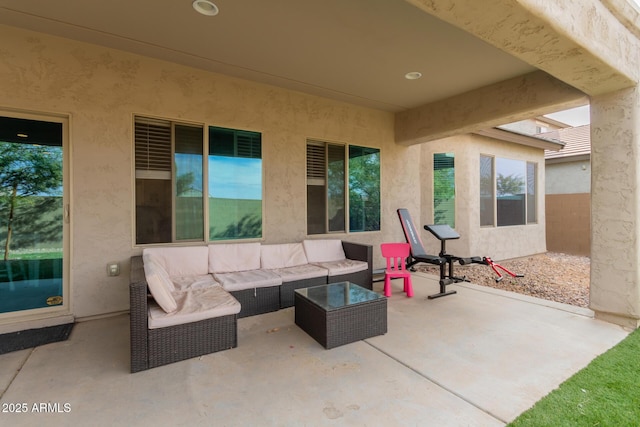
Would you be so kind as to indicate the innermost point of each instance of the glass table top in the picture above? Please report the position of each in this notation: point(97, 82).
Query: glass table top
point(338, 295)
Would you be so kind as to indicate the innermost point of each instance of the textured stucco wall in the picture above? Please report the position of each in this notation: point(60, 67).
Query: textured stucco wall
point(568, 177)
point(580, 42)
point(101, 89)
point(496, 242)
point(615, 207)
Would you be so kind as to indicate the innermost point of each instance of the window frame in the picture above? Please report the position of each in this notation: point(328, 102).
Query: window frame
point(172, 178)
point(526, 194)
point(312, 174)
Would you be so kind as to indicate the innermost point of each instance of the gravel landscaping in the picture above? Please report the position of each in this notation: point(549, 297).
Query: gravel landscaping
point(552, 276)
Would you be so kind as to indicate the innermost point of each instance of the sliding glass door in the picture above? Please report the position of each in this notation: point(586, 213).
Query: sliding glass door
point(33, 214)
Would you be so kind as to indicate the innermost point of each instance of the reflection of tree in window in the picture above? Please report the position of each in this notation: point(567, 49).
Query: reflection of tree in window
point(510, 192)
point(444, 189)
point(509, 185)
point(30, 193)
point(335, 187)
point(364, 189)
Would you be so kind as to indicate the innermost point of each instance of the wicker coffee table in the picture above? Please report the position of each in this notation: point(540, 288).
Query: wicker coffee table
point(340, 313)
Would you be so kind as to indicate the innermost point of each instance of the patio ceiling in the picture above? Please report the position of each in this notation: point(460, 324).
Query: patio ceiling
point(356, 51)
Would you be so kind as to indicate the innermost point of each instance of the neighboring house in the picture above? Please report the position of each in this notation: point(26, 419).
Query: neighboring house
point(568, 191)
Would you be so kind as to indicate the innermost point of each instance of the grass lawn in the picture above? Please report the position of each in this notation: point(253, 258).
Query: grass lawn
point(605, 393)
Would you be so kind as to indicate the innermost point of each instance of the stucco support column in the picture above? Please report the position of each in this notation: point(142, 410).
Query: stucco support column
point(615, 207)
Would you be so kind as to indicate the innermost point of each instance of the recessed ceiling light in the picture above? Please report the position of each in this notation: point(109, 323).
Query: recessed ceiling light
point(205, 7)
point(414, 75)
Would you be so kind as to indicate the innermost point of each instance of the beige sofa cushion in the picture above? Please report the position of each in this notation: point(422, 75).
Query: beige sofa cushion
point(159, 285)
point(181, 261)
point(241, 280)
point(345, 266)
point(193, 306)
point(300, 272)
point(187, 283)
point(282, 255)
point(233, 257)
point(324, 250)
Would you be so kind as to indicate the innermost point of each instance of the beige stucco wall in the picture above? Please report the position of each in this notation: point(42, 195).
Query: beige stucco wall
point(615, 207)
point(495, 242)
point(101, 89)
point(568, 177)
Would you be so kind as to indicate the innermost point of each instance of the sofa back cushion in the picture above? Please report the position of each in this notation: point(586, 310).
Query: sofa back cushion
point(324, 250)
point(159, 284)
point(181, 261)
point(282, 255)
point(231, 257)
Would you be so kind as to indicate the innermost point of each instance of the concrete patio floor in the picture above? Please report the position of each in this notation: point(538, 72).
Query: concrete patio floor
point(477, 358)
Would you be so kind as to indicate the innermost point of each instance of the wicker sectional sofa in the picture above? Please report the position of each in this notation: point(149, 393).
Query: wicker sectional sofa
point(185, 301)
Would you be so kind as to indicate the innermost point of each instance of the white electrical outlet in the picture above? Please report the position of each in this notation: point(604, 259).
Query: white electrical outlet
point(113, 269)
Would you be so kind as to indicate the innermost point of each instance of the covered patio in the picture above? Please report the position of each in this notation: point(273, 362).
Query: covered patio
point(479, 357)
point(338, 73)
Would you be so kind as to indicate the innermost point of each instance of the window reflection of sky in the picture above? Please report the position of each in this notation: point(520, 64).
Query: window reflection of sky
point(508, 167)
point(229, 177)
point(235, 178)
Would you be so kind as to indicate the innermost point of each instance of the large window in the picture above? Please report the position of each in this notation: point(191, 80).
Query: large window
point(330, 169)
point(444, 189)
point(172, 183)
point(514, 183)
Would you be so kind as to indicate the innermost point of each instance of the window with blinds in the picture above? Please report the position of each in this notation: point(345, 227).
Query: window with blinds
point(330, 171)
point(152, 148)
point(178, 199)
point(325, 187)
point(316, 164)
point(234, 143)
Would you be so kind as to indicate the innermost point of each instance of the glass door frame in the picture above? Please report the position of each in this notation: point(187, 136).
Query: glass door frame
point(65, 307)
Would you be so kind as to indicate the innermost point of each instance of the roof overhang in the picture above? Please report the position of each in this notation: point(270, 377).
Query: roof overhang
point(522, 139)
point(568, 159)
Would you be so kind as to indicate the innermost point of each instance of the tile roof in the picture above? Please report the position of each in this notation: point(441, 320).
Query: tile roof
point(577, 142)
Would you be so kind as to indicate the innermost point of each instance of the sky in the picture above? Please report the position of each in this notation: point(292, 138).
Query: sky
point(575, 116)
